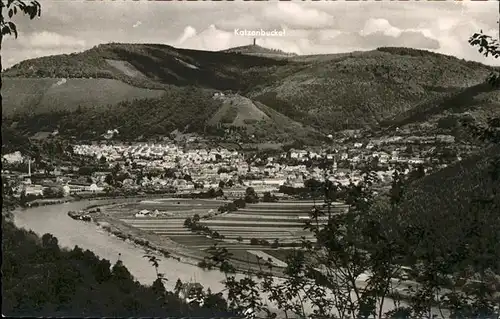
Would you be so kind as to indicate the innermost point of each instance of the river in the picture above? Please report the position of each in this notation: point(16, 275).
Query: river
point(53, 219)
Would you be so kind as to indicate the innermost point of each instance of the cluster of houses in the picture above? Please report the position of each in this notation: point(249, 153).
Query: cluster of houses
point(154, 213)
point(208, 168)
point(67, 188)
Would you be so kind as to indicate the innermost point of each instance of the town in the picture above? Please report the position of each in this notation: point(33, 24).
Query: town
point(171, 168)
point(262, 160)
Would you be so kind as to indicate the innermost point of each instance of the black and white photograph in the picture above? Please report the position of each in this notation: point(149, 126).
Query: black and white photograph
point(250, 159)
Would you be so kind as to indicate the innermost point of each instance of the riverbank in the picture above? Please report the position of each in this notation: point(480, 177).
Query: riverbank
point(123, 231)
point(53, 219)
point(112, 244)
point(146, 240)
point(162, 245)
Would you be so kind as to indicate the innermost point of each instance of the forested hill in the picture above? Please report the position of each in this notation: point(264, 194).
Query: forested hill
point(459, 208)
point(39, 277)
point(259, 51)
point(149, 66)
point(328, 92)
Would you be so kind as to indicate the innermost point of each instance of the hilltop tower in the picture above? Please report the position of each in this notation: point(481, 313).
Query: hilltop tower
point(254, 41)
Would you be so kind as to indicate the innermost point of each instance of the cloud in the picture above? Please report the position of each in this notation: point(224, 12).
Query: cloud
point(245, 21)
point(298, 16)
point(379, 32)
point(189, 32)
point(50, 40)
point(211, 39)
point(380, 26)
point(311, 27)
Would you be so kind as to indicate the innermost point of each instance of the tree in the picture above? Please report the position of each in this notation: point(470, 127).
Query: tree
point(116, 169)
point(269, 198)
point(86, 170)
point(53, 192)
point(211, 193)
point(240, 203)
point(219, 193)
point(40, 278)
point(69, 149)
point(231, 207)
point(110, 180)
point(417, 173)
point(275, 244)
point(375, 161)
point(221, 184)
point(251, 196)
point(488, 46)
point(214, 302)
point(178, 287)
point(374, 239)
point(23, 199)
point(30, 8)
point(188, 222)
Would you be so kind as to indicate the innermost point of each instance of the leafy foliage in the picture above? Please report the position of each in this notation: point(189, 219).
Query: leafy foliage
point(488, 46)
point(452, 247)
point(40, 278)
point(354, 267)
point(30, 8)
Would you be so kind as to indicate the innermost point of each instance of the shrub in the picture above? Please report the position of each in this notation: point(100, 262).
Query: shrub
point(250, 121)
point(240, 203)
point(275, 244)
point(188, 223)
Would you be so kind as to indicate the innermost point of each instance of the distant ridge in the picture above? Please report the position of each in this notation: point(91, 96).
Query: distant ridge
point(330, 92)
point(254, 49)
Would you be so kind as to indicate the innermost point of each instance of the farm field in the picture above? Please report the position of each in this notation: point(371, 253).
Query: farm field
point(170, 208)
point(193, 240)
point(282, 221)
point(282, 254)
point(47, 94)
point(170, 219)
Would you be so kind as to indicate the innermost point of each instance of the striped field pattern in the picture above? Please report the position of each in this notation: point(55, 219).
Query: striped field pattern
point(282, 221)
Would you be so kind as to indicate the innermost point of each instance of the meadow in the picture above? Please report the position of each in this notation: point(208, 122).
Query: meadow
point(247, 233)
point(43, 95)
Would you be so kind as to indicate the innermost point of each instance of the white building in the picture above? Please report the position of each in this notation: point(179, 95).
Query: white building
point(15, 157)
point(143, 213)
point(36, 190)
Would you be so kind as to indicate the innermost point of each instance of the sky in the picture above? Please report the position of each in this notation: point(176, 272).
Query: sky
point(67, 26)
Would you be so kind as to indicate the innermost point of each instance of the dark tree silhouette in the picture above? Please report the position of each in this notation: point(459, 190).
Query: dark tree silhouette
point(488, 46)
point(7, 27)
